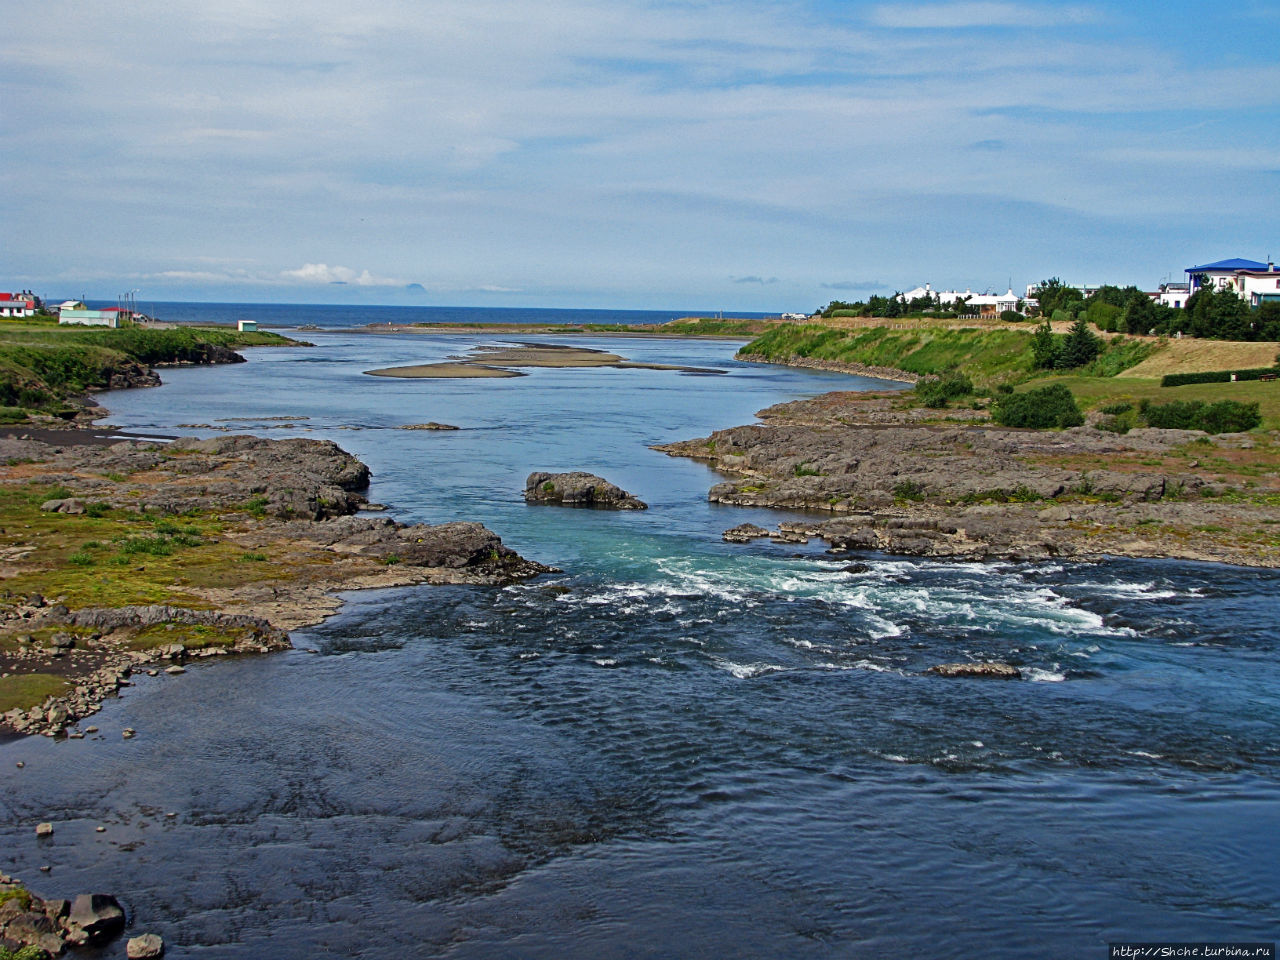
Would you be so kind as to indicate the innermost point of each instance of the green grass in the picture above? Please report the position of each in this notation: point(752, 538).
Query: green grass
point(119, 559)
point(21, 894)
point(988, 357)
point(41, 364)
point(27, 690)
point(191, 636)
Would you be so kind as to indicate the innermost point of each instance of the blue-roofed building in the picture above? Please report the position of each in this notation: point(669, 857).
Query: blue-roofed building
point(1257, 283)
point(1221, 274)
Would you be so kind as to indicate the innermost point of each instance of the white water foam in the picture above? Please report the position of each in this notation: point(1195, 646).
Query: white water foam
point(746, 671)
point(1036, 675)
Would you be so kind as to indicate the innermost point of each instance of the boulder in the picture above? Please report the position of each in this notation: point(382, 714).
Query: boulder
point(98, 915)
point(578, 489)
point(30, 927)
point(146, 947)
point(69, 505)
point(1003, 671)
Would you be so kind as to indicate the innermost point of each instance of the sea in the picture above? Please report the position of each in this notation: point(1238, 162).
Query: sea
point(675, 747)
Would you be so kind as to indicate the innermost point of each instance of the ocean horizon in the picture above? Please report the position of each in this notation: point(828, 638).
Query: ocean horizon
point(288, 315)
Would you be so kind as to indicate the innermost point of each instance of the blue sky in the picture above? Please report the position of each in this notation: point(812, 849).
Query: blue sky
point(750, 156)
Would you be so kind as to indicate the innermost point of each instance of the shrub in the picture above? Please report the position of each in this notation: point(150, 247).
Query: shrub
point(1225, 416)
point(909, 490)
point(1011, 316)
point(1051, 406)
point(936, 392)
point(1116, 424)
point(1115, 409)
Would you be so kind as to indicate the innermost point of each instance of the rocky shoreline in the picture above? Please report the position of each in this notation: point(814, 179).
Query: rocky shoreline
point(951, 484)
point(236, 540)
point(33, 927)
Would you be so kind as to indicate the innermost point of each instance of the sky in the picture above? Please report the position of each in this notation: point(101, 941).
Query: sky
point(646, 154)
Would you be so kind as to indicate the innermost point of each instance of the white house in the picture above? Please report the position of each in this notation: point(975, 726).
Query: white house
point(1172, 295)
point(979, 304)
point(1255, 282)
point(1220, 274)
point(1259, 286)
point(75, 312)
point(17, 305)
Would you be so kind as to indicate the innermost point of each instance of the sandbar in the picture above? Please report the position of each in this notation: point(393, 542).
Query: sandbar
point(492, 361)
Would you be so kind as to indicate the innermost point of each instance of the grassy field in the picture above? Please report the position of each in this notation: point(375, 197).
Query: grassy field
point(1202, 356)
point(113, 558)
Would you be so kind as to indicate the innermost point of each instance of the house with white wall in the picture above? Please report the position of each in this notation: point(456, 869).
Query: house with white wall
point(75, 312)
point(1252, 281)
point(17, 305)
point(978, 304)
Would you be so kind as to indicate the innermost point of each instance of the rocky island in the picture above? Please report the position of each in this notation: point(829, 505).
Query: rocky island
point(579, 489)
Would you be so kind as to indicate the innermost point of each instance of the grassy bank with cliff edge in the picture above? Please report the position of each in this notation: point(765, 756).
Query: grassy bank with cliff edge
point(43, 366)
point(988, 357)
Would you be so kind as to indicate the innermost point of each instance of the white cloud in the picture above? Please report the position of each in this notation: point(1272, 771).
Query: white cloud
point(980, 14)
point(323, 273)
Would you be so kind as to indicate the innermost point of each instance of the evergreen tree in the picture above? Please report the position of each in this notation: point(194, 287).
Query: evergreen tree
point(1043, 346)
point(1079, 346)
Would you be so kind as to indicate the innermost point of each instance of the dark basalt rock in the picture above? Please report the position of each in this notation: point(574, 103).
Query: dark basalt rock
point(579, 489)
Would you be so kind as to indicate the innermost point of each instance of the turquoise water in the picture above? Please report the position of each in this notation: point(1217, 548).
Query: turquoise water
point(676, 747)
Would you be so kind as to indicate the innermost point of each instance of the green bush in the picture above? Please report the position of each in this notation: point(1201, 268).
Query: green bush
point(1116, 424)
point(909, 490)
point(936, 392)
point(1051, 406)
point(1011, 316)
point(1115, 409)
point(1225, 416)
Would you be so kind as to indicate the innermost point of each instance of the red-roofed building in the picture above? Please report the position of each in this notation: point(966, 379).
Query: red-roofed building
point(17, 305)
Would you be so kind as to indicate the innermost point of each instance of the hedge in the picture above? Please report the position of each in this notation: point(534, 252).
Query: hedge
point(1217, 376)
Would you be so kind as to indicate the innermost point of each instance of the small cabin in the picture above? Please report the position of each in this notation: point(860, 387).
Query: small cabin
point(247, 326)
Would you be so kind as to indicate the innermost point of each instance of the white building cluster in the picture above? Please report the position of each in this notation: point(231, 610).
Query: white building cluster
point(976, 304)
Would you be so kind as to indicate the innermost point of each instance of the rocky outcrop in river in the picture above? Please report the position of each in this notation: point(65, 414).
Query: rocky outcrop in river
point(579, 489)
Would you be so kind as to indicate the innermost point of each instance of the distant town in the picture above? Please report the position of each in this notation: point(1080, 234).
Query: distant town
point(1235, 299)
